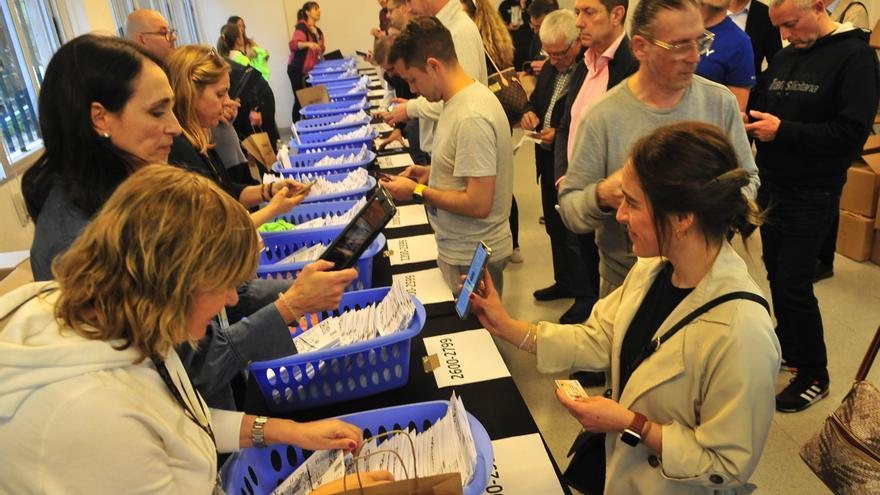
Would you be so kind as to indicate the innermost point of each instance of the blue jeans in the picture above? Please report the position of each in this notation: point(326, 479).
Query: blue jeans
point(797, 222)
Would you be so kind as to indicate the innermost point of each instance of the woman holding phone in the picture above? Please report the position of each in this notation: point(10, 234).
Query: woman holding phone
point(692, 415)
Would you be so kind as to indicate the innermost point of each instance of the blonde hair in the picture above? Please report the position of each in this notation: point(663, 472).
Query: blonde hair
point(190, 69)
point(496, 37)
point(163, 234)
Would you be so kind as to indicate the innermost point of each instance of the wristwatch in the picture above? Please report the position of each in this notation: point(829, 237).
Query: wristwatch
point(257, 437)
point(419, 193)
point(632, 435)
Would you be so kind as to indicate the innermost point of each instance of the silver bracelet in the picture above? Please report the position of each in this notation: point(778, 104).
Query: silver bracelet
point(257, 435)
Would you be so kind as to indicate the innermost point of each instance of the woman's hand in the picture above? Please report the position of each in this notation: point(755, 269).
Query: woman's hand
point(486, 305)
point(283, 201)
point(597, 414)
point(350, 482)
point(326, 434)
point(317, 289)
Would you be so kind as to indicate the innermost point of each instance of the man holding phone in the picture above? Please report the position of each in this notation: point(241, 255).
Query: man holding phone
point(468, 187)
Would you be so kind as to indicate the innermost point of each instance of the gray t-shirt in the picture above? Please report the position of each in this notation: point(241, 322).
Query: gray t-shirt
point(604, 138)
point(472, 140)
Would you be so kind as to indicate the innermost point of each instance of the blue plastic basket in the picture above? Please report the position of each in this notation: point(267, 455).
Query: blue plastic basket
point(314, 379)
point(331, 123)
point(285, 243)
point(357, 193)
point(346, 96)
point(314, 142)
point(332, 108)
point(305, 162)
point(335, 62)
point(330, 78)
point(311, 211)
point(259, 471)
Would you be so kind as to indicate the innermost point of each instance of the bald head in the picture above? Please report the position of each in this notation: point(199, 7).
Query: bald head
point(149, 29)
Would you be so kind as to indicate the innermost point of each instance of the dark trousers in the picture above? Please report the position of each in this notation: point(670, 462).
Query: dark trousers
point(570, 268)
point(297, 82)
point(514, 221)
point(796, 226)
point(829, 245)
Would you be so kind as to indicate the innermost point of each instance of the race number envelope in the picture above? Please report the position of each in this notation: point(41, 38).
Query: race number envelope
point(428, 286)
point(395, 161)
point(522, 468)
point(466, 357)
point(408, 216)
point(413, 249)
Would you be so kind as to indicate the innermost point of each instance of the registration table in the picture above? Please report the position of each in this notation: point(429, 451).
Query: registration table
point(523, 462)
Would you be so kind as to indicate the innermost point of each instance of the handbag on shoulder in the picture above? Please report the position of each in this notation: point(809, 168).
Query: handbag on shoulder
point(506, 86)
point(845, 453)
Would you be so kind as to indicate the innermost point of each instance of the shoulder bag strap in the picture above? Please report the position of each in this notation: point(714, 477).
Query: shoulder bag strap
point(868, 360)
point(851, 5)
point(655, 344)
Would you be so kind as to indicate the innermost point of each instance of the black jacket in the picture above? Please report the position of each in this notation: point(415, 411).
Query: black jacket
point(826, 97)
point(765, 37)
point(539, 102)
point(623, 65)
point(184, 155)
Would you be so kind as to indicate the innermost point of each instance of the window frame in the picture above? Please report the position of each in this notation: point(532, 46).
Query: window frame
point(57, 17)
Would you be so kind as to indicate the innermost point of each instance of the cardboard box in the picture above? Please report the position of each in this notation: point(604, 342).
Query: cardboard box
point(855, 236)
point(860, 191)
point(875, 253)
point(872, 145)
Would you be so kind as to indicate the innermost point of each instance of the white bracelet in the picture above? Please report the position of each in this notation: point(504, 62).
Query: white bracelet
point(526, 338)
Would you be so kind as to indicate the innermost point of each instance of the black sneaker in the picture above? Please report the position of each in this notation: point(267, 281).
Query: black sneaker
point(578, 312)
point(552, 293)
point(801, 393)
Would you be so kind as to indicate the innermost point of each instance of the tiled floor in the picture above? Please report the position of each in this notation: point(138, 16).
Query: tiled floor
point(850, 303)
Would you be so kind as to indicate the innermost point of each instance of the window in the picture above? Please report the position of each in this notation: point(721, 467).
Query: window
point(28, 39)
point(180, 14)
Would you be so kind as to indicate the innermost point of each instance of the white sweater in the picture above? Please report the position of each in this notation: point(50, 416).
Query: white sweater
point(77, 416)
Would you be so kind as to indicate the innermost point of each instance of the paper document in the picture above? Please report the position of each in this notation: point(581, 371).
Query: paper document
point(413, 249)
point(395, 161)
point(525, 139)
point(381, 127)
point(320, 468)
point(408, 216)
point(428, 286)
point(522, 468)
point(466, 357)
point(376, 93)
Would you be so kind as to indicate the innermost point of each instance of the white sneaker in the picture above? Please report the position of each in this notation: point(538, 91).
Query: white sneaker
point(516, 257)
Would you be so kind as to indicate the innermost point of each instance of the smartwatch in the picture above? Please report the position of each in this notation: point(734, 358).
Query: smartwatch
point(419, 193)
point(632, 435)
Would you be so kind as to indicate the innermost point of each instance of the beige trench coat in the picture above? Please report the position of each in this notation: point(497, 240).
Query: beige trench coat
point(711, 386)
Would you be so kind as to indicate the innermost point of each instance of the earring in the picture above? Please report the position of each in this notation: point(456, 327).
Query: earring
point(106, 135)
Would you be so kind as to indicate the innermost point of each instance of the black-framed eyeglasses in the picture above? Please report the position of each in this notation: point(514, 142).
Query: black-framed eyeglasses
point(701, 44)
point(169, 35)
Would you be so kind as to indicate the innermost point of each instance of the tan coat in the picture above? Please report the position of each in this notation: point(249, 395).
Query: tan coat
point(711, 385)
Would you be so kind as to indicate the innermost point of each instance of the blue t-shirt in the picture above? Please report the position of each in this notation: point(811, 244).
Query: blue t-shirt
point(730, 60)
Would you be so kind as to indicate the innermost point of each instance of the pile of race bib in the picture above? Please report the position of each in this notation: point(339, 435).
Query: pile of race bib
point(360, 133)
point(391, 315)
point(353, 157)
point(333, 219)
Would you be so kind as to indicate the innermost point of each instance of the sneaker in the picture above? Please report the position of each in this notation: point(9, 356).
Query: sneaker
point(578, 312)
point(785, 366)
point(801, 393)
point(516, 257)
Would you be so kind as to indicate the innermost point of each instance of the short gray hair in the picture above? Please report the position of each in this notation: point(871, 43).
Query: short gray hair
point(559, 24)
point(801, 4)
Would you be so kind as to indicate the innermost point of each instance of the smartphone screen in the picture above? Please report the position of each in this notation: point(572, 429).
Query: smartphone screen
point(473, 279)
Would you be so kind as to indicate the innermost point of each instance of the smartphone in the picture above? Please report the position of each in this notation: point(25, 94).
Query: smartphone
point(474, 276)
point(305, 190)
point(362, 54)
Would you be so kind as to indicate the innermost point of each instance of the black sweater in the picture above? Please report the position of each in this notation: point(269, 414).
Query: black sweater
point(826, 97)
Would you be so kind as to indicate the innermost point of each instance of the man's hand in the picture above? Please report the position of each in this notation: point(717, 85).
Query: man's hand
point(399, 187)
point(609, 192)
point(418, 173)
point(548, 135)
point(765, 128)
point(397, 114)
point(537, 65)
point(529, 121)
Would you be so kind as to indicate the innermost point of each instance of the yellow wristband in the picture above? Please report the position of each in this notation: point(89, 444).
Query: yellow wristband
point(420, 190)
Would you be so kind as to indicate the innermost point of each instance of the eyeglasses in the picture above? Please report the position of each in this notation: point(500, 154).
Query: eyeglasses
point(559, 54)
point(169, 35)
point(701, 44)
